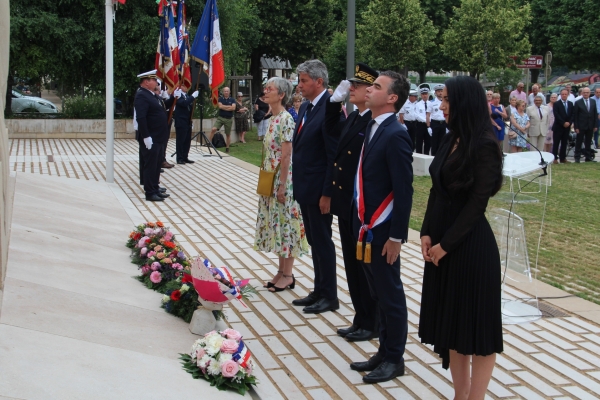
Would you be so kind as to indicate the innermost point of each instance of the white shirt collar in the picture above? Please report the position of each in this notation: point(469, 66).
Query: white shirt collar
point(316, 99)
point(378, 122)
point(364, 112)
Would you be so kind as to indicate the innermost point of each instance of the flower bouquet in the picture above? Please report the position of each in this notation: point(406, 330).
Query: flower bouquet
point(181, 298)
point(223, 359)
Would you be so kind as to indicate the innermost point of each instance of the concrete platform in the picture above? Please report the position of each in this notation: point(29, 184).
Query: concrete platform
point(74, 322)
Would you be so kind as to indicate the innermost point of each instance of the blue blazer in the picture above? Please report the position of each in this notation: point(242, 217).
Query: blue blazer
point(313, 153)
point(387, 167)
point(151, 114)
point(183, 111)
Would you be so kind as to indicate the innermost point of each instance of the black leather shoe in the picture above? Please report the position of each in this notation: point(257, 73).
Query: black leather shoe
point(361, 335)
point(162, 189)
point(163, 195)
point(180, 162)
point(188, 161)
point(321, 306)
point(344, 331)
point(309, 300)
point(368, 365)
point(154, 197)
point(385, 372)
point(162, 170)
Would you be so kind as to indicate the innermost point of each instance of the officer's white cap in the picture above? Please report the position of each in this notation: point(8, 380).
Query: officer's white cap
point(439, 86)
point(424, 90)
point(413, 93)
point(149, 74)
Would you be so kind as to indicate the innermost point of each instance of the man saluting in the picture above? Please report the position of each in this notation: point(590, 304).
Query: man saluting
point(383, 202)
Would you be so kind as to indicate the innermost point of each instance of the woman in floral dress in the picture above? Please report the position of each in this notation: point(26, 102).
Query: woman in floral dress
point(279, 226)
point(519, 122)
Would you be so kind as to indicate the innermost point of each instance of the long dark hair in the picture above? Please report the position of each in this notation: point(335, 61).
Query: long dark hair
point(469, 122)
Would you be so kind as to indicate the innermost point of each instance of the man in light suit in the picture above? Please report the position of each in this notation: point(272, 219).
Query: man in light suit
point(538, 117)
point(563, 118)
point(312, 157)
point(383, 203)
point(585, 115)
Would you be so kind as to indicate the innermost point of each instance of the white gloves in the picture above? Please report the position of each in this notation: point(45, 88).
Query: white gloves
point(148, 142)
point(177, 93)
point(195, 94)
point(429, 131)
point(341, 92)
point(165, 95)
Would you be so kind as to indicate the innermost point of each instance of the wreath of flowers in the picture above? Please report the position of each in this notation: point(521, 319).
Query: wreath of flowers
point(223, 359)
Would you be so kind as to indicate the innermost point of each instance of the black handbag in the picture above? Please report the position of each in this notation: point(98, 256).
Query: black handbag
point(218, 140)
point(258, 116)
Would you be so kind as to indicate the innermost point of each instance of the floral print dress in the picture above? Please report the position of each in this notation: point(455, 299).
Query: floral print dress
point(279, 227)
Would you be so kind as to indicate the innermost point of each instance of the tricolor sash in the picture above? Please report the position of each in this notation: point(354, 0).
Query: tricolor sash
point(381, 214)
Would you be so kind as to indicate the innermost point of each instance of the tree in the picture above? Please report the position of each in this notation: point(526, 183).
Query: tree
point(505, 77)
point(290, 29)
point(485, 33)
point(395, 34)
point(335, 57)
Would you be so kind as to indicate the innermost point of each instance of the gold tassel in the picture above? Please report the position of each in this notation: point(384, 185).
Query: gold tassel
point(368, 254)
point(359, 255)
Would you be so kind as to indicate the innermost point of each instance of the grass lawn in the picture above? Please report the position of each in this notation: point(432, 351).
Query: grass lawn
point(569, 255)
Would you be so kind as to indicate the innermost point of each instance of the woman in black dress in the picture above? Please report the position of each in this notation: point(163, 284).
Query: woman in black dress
point(461, 298)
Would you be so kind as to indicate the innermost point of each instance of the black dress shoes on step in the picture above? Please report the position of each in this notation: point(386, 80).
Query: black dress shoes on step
point(154, 197)
point(361, 335)
point(188, 161)
point(321, 306)
point(345, 331)
point(369, 365)
point(162, 189)
point(309, 300)
point(163, 195)
point(180, 162)
point(385, 372)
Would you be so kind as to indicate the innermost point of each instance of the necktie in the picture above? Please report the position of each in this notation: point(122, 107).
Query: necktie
point(566, 107)
point(310, 107)
point(587, 105)
point(540, 111)
point(368, 131)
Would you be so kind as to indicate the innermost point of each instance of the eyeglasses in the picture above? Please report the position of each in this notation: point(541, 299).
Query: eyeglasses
point(269, 89)
point(356, 85)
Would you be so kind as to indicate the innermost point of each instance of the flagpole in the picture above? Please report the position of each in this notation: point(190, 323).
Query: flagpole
point(110, 116)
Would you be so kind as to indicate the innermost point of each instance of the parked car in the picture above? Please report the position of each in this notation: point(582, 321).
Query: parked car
point(22, 103)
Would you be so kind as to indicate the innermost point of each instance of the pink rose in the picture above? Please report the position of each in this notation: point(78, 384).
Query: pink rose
point(200, 353)
point(151, 254)
point(210, 333)
point(167, 261)
point(155, 277)
point(144, 251)
point(160, 256)
point(145, 270)
point(177, 266)
point(155, 266)
point(148, 231)
point(229, 368)
point(142, 242)
point(168, 236)
point(229, 346)
point(232, 334)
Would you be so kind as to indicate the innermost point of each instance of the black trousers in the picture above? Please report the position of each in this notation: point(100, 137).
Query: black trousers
point(318, 234)
point(439, 130)
point(152, 161)
point(584, 136)
point(412, 131)
point(386, 288)
point(364, 304)
point(183, 141)
point(560, 137)
point(423, 140)
point(141, 159)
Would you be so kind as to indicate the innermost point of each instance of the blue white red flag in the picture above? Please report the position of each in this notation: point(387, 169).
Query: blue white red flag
point(167, 53)
point(207, 49)
point(183, 44)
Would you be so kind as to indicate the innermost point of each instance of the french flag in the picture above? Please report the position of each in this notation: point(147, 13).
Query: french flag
point(207, 48)
point(167, 52)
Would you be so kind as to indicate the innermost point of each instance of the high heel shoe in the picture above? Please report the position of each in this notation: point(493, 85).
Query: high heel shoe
point(271, 284)
point(291, 285)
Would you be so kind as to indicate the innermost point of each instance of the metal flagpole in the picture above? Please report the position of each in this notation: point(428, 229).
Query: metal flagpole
point(110, 116)
point(350, 29)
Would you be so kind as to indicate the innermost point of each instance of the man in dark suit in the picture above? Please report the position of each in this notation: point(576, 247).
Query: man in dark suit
point(153, 132)
point(183, 127)
point(314, 151)
point(351, 134)
point(563, 118)
point(383, 202)
point(585, 116)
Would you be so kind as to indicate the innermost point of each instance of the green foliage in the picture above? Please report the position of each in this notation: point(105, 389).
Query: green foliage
point(395, 34)
point(186, 305)
point(485, 33)
point(89, 107)
point(504, 77)
point(335, 58)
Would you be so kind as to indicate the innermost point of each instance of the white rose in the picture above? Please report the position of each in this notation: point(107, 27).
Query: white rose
point(184, 288)
point(204, 361)
point(214, 368)
point(224, 357)
point(165, 299)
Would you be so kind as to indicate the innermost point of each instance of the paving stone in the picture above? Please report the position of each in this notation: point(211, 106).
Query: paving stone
point(569, 372)
point(371, 392)
point(503, 377)
point(569, 325)
point(319, 394)
point(243, 329)
point(275, 345)
point(347, 348)
point(420, 353)
point(340, 363)
point(522, 334)
point(261, 354)
point(291, 317)
point(538, 384)
point(335, 383)
point(287, 386)
point(300, 373)
point(498, 390)
point(527, 393)
point(298, 344)
point(266, 390)
point(557, 330)
point(593, 338)
point(556, 340)
point(533, 365)
point(367, 347)
point(505, 363)
point(428, 376)
point(519, 344)
point(334, 319)
point(565, 356)
point(580, 393)
point(256, 323)
point(322, 327)
point(270, 316)
point(583, 324)
point(419, 390)
point(310, 335)
point(399, 393)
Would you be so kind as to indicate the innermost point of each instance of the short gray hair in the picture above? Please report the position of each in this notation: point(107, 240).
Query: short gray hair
point(315, 69)
point(283, 87)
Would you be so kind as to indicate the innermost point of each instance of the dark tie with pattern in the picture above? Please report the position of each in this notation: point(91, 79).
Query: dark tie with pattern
point(368, 131)
point(587, 104)
point(303, 121)
point(540, 111)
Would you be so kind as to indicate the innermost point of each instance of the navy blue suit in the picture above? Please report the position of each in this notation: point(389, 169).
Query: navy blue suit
point(312, 158)
point(183, 126)
point(560, 134)
point(387, 167)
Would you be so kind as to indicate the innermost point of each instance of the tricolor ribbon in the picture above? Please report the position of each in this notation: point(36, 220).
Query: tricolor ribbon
point(381, 214)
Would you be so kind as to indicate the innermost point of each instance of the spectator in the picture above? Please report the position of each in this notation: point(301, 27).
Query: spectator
point(498, 114)
point(579, 95)
point(259, 104)
point(488, 96)
point(226, 106)
point(241, 117)
point(549, 136)
point(512, 107)
point(597, 99)
point(296, 102)
point(563, 118)
point(538, 117)
point(535, 91)
point(408, 116)
point(519, 124)
point(571, 97)
point(519, 93)
point(585, 120)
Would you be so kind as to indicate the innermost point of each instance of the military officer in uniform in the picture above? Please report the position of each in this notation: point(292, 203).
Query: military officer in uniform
point(183, 127)
point(437, 120)
point(423, 136)
point(351, 134)
point(408, 116)
point(153, 132)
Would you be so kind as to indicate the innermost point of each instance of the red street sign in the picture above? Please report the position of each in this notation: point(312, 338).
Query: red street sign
point(533, 62)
